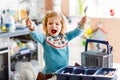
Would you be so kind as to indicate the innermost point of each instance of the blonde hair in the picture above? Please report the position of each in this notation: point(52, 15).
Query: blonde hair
point(54, 14)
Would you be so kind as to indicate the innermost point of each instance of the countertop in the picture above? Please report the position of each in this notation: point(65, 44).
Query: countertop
point(16, 33)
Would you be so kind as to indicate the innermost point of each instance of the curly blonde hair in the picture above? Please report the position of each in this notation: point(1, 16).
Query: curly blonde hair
point(54, 14)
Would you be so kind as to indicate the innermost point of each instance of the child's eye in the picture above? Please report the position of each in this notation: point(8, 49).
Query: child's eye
point(57, 23)
point(50, 23)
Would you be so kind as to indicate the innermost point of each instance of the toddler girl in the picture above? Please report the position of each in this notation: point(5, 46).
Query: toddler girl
point(55, 40)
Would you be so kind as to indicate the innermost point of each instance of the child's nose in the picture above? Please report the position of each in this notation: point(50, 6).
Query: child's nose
point(53, 25)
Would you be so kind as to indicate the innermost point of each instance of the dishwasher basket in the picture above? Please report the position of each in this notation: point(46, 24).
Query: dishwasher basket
point(97, 57)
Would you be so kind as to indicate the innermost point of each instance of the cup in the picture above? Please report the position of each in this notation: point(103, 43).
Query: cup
point(8, 25)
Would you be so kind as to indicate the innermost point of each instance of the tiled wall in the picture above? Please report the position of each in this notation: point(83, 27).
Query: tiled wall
point(5, 4)
point(14, 5)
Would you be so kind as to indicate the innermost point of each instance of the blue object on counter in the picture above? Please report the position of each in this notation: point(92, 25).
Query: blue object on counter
point(8, 25)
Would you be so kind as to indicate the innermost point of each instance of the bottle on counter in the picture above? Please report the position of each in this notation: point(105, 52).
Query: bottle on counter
point(2, 25)
point(8, 23)
point(12, 22)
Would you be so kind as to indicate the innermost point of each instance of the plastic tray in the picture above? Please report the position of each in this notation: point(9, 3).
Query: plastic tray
point(85, 73)
point(106, 74)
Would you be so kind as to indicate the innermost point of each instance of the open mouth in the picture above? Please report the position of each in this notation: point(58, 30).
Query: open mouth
point(53, 31)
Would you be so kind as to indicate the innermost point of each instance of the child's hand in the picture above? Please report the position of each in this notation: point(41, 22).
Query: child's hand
point(29, 24)
point(83, 21)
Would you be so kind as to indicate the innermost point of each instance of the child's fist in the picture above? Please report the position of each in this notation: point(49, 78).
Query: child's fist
point(83, 21)
point(29, 24)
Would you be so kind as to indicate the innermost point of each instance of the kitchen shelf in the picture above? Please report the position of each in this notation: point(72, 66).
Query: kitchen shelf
point(17, 32)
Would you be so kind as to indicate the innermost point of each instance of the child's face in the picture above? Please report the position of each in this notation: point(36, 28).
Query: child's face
point(54, 26)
